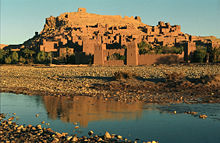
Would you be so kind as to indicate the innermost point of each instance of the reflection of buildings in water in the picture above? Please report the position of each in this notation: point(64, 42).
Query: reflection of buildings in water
point(84, 109)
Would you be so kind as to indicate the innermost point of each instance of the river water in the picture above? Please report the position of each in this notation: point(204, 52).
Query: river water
point(145, 122)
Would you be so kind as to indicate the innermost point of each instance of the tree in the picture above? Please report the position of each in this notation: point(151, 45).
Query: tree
point(199, 55)
point(28, 54)
point(116, 56)
point(214, 54)
point(2, 56)
point(144, 48)
point(41, 57)
point(22, 60)
point(49, 58)
point(14, 57)
point(158, 49)
point(172, 50)
point(8, 60)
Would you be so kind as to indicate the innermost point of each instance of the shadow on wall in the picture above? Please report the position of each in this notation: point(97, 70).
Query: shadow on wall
point(82, 58)
point(171, 59)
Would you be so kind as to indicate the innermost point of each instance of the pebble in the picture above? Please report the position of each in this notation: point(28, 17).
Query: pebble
point(76, 127)
point(203, 116)
point(90, 133)
point(40, 76)
point(107, 135)
point(74, 139)
point(119, 137)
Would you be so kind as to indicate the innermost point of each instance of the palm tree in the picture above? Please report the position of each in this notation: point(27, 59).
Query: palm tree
point(28, 54)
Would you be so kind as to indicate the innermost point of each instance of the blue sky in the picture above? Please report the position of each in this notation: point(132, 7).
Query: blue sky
point(21, 18)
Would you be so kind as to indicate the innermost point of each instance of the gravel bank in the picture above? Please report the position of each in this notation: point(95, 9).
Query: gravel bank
point(98, 82)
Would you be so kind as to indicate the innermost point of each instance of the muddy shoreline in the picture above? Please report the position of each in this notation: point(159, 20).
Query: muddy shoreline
point(151, 84)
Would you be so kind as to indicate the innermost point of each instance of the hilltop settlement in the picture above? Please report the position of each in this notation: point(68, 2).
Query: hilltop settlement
point(85, 38)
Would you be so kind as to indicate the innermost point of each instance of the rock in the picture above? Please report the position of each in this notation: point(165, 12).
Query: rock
point(74, 139)
point(59, 134)
point(90, 133)
point(69, 138)
point(119, 137)
point(107, 135)
point(76, 127)
point(203, 116)
point(39, 127)
point(29, 126)
point(100, 139)
point(56, 140)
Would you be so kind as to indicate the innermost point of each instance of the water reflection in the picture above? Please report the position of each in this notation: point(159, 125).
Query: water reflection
point(147, 122)
point(86, 109)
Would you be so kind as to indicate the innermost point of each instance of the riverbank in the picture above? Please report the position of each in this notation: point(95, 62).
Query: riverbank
point(10, 131)
point(149, 84)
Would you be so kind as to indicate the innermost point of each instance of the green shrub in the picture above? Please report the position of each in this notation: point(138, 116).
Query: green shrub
point(172, 50)
point(116, 56)
point(144, 48)
point(49, 58)
point(214, 54)
point(41, 57)
point(2, 56)
point(158, 49)
point(28, 55)
point(22, 60)
point(14, 57)
point(199, 55)
point(8, 60)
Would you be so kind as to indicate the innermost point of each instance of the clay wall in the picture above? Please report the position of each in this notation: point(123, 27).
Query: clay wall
point(168, 41)
point(63, 52)
point(165, 30)
point(48, 46)
point(132, 53)
point(159, 59)
point(110, 52)
point(150, 39)
point(114, 63)
point(180, 39)
point(88, 46)
point(99, 54)
point(188, 49)
point(83, 10)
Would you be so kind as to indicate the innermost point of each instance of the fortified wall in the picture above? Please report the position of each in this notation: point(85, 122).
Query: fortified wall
point(101, 36)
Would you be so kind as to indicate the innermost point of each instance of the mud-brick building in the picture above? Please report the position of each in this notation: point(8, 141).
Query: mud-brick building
point(101, 37)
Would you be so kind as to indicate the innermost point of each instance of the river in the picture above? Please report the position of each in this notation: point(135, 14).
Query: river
point(145, 122)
